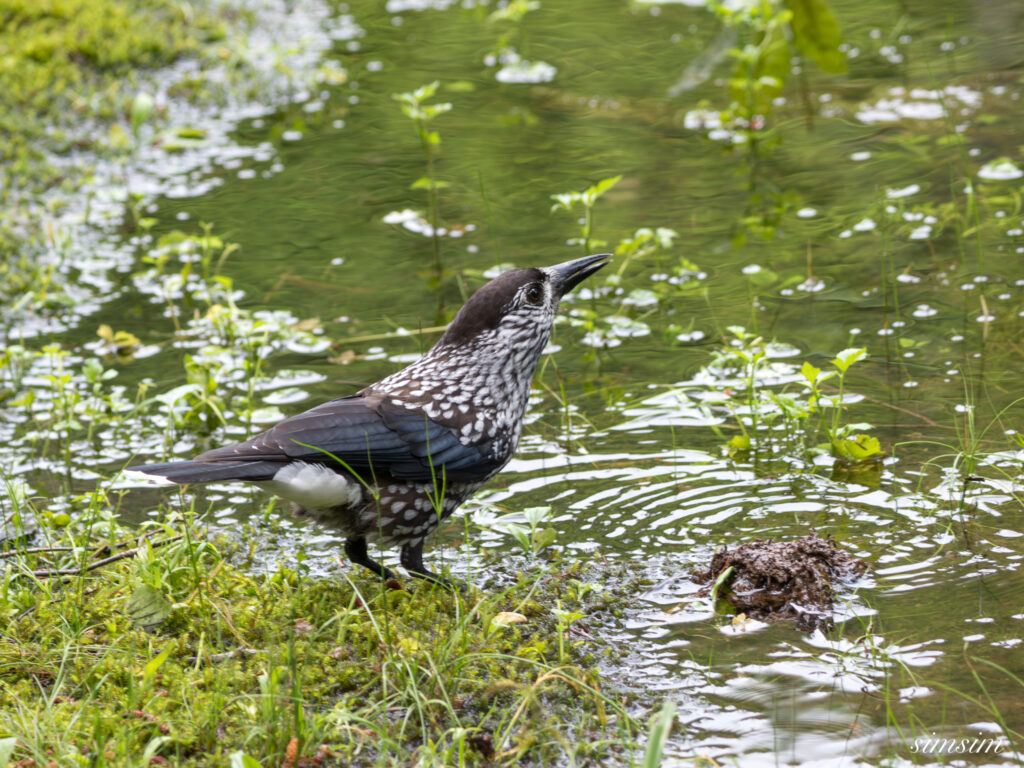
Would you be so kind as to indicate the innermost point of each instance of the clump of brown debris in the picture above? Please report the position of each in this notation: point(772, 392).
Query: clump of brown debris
point(774, 580)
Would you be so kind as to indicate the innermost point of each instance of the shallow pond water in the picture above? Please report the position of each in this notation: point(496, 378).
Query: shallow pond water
point(895, 227)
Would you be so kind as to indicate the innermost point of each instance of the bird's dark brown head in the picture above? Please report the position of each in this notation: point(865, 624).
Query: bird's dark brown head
point(520, 302)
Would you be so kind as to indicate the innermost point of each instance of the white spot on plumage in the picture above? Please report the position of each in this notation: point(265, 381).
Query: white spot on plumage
point(314, 486)
point(134, 476)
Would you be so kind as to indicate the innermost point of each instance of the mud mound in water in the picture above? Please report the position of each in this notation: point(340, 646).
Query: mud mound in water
point(774, 580)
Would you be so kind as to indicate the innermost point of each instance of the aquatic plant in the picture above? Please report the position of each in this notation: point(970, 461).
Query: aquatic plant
point(567, 201)
point(773, 421)
point(414, 106)
point(768, 41)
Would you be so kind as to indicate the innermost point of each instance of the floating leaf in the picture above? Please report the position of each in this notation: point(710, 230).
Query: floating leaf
point(738, 444)
point(858, 448)
point(1002, 169)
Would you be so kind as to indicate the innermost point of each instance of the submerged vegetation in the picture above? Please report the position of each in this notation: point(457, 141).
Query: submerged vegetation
point(813, 321)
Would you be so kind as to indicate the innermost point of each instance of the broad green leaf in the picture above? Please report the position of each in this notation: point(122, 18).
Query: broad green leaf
point(816, 33)
point(148, 608)
point(544, 538)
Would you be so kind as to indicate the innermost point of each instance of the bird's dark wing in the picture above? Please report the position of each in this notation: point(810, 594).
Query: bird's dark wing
point(371, 436)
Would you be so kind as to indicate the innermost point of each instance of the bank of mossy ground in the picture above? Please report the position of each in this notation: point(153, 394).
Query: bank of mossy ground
point(185, 653)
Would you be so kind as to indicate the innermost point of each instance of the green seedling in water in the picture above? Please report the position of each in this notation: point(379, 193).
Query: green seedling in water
point(721, 585)
point(142, 108)
point(565, 620)
point(764, 39)
point(568, 201)
point(532, 538)
point(775, 420)
point(512, 14)
point(846, 443)
point(414, 106)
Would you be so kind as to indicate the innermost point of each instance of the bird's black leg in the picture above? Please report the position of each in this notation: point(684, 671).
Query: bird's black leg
point(358, 554)
point(412, 560)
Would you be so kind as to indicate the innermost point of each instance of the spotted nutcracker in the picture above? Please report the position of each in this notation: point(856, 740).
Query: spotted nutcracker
point(390, 462)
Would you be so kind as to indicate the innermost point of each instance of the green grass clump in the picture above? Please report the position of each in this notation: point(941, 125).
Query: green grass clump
point(178, 652)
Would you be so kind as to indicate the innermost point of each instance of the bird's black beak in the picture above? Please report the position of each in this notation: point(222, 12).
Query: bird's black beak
point(569, 274)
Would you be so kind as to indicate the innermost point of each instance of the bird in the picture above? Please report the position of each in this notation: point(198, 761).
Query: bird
point(390, 462)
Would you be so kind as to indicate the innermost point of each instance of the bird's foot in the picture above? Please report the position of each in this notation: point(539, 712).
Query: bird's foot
point(412, 561)
point(359, 555)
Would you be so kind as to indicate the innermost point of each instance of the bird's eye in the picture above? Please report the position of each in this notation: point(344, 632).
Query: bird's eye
point(534, 294)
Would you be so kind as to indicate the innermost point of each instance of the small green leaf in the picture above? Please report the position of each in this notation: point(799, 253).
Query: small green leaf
point(535, 515)
point(150, 670)
point(425, 182)
point(809, 372)
point(191, 132)
point(565, 200)
point(848, 357)
point(721, 584)
point(594, 192)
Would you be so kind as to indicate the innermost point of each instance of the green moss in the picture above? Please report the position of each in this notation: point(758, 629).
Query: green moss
point(247, 662)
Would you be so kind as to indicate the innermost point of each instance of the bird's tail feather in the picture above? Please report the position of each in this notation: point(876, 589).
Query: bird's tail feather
point(183, 472)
